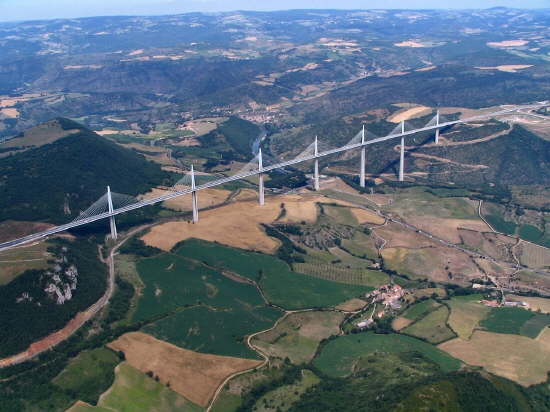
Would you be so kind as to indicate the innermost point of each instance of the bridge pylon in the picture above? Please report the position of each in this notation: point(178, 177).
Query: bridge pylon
point(194, 196)
point(437, 124)
point(261, 197)
point(316, 167)
point(402, 154)
point(363, 159)
point(112, 222)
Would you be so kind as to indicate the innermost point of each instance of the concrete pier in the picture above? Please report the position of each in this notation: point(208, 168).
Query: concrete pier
point(437, 130)
point(261, 196)
point(363, 160)
point(194, 197)
point(316, 167)
point(112, 222)
point(402, 160)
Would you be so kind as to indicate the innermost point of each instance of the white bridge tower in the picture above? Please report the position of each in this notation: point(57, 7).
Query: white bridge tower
point(112, 218)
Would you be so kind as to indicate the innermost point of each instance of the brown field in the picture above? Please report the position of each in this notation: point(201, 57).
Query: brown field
point(206, 198)
point(508, 68)
point(432, 263)
point(352, 305)
point(14, 262)
point(244, 218)
point(194, 375)
point(11, 229)
point(521, 359)
point(367, 216)
point(466, 315)
point(246, 194)
point(508, 43)
point(409, 43)
point(400, 323)
point(535, 303)
point(494, 245)
point(532, 255)
point(396, 236)
point(409, 114)
point(40, 135)
point(445, 228)
point(10, 112)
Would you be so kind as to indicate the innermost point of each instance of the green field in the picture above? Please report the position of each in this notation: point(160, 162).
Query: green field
point(418, 201)
point(516, 321)
point(419, 310)
point(334, 273)
point(432, 327)
point(200, 308)
point(89, 374)
point(134, 391)
point(339, 355)
point(281, 285)
point(340, 214)
point(361, 245)
point(298, 335)
point(466, 313)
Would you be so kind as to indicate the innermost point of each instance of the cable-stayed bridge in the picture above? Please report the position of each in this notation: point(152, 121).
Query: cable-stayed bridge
point(112, 204)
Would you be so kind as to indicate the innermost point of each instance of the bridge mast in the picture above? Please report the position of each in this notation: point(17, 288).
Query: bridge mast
point(316, 167)
point(194, 196)
point(112, 218)
point(402, 153)
point(261, 178)
point(437, 124)
point(363, 159)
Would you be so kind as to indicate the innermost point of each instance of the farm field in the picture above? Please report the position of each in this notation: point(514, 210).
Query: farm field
point(219, 331)
point(432, 263)
point(432, 327)
point(533, 255)
point(535, 303)
point(365, 277)
point(518, 358)
point(298, 335)
point(193, 375)
point(282, 398)
point(338, 356)
point(89, 374)
point(515, 321)
point(243, 218)
point(206, 198)
point(133, 390)
point(466, 314)
point(419, 310)
point(281, 286)
point(15, 261)
point(200, 308)
point(361, 245)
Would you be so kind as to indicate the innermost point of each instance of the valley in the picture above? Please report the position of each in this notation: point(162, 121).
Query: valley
point(398, 293)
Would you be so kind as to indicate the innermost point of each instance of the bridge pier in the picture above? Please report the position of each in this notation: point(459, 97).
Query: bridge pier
point(437, 130)
point(363, 160)
point(194, 197)
point(261, 196)
point(402, 154)
point(112, 222)
point(316, 168)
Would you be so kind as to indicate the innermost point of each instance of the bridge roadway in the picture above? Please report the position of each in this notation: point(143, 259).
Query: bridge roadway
point(40, 235)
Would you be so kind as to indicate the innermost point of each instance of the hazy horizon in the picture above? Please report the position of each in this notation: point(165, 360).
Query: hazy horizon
point(25, 10)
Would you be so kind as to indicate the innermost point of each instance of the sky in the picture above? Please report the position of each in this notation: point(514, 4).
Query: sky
point(16, 10)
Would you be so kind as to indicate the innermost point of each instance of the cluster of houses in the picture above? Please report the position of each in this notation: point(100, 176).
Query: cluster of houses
point(62, 281)
point(390, 296)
